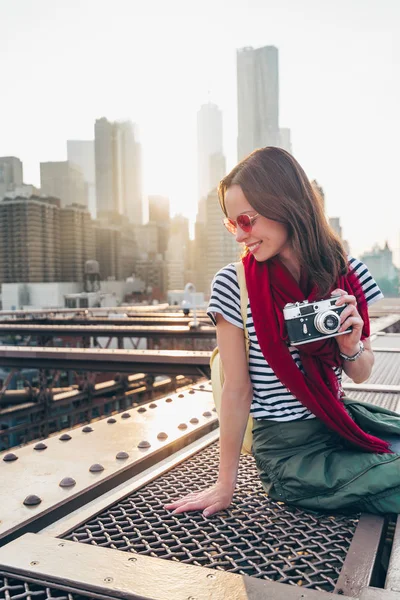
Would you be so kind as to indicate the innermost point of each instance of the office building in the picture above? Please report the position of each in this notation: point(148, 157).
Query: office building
point(159, 217)
point(211, 166)
point(30, 240)
point(108, 239)
point(380, 263)
point(118, 165)
point(258, 101)
point(11, 174)
point(221, 247)
point(177, 253)
point(63, 180)
point(81, 153)
point(77, 242)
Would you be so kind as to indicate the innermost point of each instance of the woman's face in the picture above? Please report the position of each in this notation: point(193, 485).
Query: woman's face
point(267, 238)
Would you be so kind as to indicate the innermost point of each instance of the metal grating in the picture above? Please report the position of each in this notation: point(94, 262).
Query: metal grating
point(19, 589)
point(386, 370)
point(390, 340)
point(256, 536)
point(389, 401)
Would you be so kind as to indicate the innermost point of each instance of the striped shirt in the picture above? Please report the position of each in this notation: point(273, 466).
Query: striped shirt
point(271, 399)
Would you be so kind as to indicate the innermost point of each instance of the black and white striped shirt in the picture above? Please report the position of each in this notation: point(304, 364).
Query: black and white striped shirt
point(271, 399)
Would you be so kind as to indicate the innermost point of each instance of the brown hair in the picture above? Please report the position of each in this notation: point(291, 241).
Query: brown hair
point(277, 188)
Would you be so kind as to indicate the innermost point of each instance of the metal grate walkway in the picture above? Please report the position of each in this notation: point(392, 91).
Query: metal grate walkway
point(256, 536)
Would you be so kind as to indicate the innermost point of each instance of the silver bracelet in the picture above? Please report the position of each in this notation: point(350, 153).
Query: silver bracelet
point(356, 355)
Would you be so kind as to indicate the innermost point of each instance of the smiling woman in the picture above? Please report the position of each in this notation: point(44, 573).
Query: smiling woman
point(313, 447)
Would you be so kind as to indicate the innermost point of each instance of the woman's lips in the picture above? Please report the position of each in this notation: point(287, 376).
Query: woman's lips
point(254, 247)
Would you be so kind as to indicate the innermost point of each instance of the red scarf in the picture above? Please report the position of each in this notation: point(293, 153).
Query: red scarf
point(270, 286)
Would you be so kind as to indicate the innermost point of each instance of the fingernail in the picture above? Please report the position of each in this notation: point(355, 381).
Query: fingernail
point(205, 513)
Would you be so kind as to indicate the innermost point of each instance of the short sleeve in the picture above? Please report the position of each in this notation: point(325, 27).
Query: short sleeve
point(370, 287)
point(225, 297)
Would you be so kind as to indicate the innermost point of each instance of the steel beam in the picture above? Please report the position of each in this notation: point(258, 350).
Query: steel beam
point(117, 574)
point(362, 560)
point(371, 387)
point(136, 331)
point(178, 362)
point(393, 575)
point(92, 458)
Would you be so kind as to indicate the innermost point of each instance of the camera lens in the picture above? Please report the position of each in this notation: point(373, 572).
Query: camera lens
point(327, 322)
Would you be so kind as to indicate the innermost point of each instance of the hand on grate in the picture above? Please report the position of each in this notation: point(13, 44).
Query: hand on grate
point(211, 500)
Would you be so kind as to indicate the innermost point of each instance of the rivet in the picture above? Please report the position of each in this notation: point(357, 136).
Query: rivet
point(153, 405)
point(32, 500)
point(162, 436)
point(125, 415)
point(142, 409)
point(108, 579)
point(207, 414)
point(96, 468)
point(122, 455)
point(144, 444)
point(194, 421)
point(214, 409)
point(132, 559)
point(64, 437)
point(192, 392)
point(111, 420)
point(34, 563)
point(10, 457)
point(168, 400)
point(210, 576)
point(182, 426)
point(40, 446)
point(87, 429)
point(202, 386)
point(67, 482)
point(61, 545)
point(181, 395)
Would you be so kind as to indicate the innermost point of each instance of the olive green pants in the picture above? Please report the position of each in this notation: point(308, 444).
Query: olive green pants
point(305, 464)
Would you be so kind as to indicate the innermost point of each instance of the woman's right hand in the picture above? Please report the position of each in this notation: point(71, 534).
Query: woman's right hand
point(211, 500)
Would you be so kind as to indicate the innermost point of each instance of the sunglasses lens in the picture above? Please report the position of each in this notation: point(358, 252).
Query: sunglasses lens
point(230, 225)
point(244, 223)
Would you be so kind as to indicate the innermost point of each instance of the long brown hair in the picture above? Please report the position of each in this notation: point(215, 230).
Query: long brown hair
point(277, 188)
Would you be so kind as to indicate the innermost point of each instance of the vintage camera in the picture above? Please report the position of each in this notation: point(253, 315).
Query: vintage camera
point(311, 321)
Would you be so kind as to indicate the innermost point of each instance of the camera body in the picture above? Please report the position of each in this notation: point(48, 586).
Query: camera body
point(311, 321)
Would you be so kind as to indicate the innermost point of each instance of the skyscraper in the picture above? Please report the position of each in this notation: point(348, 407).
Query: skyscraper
point(118, 160)
point(30, 240)
point(258, 101)
point(221, 246)
point(77, 242)
point(81, 153)
point(210, 158)
point(65, 181)
point(10, 174)
point(160, 217)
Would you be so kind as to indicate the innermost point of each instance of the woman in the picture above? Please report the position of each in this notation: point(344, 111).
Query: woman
point(313, 448)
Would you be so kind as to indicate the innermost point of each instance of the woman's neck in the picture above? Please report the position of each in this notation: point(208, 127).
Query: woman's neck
point(291, 263)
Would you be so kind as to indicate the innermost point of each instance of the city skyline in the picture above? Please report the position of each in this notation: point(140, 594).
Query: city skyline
point(338, 93)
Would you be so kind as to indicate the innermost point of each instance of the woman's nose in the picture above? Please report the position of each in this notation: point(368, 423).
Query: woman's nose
point(241, 235)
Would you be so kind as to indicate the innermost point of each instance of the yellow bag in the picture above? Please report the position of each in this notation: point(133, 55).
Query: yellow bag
point(217, 373)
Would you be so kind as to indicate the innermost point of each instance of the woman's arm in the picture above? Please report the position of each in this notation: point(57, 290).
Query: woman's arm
point(360, 369)
point(237, 395)
point(236, 399)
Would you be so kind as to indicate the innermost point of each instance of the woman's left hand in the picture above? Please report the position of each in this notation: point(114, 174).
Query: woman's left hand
point(350, 342)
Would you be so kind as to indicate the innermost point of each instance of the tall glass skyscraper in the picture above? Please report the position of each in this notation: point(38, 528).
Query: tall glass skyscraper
point(258, 100)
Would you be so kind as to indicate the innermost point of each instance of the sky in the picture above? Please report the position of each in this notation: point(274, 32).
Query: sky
point(65, 63)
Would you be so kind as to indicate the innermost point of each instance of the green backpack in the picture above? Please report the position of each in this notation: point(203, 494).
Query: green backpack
point(217, 373)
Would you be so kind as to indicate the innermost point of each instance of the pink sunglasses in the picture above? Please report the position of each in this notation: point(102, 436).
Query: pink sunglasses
point(245, 222)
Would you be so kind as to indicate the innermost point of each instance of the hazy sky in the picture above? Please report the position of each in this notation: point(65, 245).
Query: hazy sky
point(65, 63)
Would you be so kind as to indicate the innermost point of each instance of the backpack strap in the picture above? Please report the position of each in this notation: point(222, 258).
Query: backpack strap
point(244, 299)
